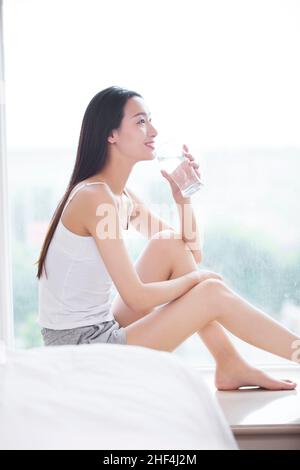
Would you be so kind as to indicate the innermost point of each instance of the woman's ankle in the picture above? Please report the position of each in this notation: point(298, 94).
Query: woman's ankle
point(229, 359)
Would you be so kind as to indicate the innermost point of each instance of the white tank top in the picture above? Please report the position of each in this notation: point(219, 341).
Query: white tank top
point(77, 289)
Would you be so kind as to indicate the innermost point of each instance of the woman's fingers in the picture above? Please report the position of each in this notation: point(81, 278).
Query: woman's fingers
point(211, 275)
point(216, 276)
point(189, 156)
point(191, 160)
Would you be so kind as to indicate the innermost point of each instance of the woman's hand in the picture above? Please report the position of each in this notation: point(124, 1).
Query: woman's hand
point(176, 193)
point(204, 274)
point(199, 276)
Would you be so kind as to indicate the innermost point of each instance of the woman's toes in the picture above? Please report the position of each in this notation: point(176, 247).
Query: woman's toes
point(275, 384)
point(249, 376)
point(289, 382)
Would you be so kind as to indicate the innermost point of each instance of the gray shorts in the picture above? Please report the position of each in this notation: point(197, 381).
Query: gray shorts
point(105, 332)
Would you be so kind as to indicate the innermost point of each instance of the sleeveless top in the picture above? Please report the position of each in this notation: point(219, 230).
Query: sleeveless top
point(77, 289)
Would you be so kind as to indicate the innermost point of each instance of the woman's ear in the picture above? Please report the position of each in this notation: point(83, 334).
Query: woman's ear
point(111, 138)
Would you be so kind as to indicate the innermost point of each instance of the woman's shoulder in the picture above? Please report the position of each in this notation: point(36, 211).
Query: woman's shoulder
point(83, 198)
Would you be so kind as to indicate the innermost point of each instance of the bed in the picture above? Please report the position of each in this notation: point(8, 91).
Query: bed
point(106, 396)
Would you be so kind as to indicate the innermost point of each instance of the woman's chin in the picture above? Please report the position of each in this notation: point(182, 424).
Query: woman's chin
point(148, 156)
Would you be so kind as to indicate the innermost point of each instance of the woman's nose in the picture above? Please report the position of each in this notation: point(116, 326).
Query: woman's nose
point(155, 131)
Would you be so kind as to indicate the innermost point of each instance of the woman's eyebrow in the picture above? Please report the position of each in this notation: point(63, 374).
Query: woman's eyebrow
point(141, 114)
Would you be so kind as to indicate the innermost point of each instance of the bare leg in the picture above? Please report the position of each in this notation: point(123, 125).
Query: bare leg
point(166, 327)
point(232, 371)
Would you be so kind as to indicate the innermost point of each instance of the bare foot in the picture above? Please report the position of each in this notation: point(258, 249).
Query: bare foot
point(241, 374)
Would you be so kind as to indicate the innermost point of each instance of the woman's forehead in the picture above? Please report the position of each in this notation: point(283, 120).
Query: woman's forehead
point(135, 106)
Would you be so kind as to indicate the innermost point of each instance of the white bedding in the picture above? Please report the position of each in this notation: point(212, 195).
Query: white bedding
point(106, 396)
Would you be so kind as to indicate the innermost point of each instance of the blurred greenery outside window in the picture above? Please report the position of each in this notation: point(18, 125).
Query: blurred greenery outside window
point(240, 116)
point(247, 225)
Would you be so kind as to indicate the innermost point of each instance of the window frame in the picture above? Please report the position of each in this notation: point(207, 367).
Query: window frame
point(6, 295)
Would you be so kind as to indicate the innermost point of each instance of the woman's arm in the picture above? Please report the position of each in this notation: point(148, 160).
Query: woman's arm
point(148, 224)
point(100, 218)
point(143, 220)
point(157, 293)
point(189, 229)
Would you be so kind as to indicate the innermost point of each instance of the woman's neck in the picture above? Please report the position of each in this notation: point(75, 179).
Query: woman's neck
point(115, 173)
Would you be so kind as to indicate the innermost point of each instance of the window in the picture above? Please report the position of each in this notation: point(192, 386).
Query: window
point(232, 95)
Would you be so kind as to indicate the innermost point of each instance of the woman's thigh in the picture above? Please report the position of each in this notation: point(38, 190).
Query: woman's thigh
point(166, 327)
point(153, 265)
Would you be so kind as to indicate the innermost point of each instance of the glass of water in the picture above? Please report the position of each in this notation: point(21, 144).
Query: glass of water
point(170, 157)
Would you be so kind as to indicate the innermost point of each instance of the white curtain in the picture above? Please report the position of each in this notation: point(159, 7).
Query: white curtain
point(6, 303)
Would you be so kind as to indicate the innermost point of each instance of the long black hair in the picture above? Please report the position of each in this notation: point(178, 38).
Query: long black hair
point(103, 115)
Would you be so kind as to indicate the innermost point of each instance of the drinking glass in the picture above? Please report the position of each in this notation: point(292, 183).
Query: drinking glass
point(170, 157)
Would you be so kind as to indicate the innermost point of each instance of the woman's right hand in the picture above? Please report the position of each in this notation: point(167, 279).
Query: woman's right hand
point(204, 274)
point(199, 276)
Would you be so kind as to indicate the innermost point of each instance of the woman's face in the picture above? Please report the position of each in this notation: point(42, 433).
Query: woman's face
point(135, 132)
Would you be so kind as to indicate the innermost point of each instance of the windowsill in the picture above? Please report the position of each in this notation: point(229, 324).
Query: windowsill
point(262, 419)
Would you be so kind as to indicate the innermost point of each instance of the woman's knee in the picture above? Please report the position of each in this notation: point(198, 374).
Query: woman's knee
point(207, 295)
point(211, 287)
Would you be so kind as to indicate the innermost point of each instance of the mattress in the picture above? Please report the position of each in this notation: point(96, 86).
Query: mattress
point(106, 396)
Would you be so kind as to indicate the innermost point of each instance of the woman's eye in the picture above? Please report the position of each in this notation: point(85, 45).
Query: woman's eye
point(143, 120)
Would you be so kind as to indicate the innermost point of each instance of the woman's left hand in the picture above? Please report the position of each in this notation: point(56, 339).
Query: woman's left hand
point(176, 193)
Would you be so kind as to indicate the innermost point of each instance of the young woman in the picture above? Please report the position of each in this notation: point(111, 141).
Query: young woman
point(164, 298)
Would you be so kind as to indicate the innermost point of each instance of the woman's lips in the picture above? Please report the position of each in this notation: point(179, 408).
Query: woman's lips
point(151, 146)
